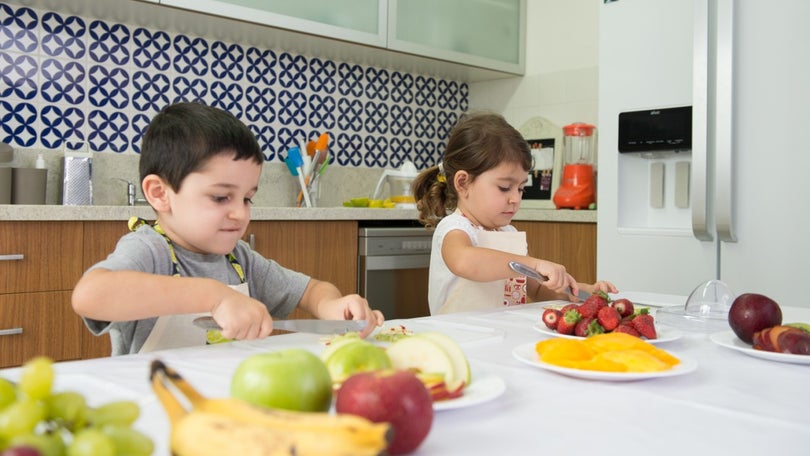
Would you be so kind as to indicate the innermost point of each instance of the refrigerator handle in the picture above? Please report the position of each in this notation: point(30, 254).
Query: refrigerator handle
point(700, 99)
point(724, 121)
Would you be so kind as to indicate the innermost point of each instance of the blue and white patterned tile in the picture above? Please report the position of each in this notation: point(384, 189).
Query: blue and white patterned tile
point(61, 123)
point(19, 74)
point(83, 80)
point(18, 122)
point(19, 29)
point(64, 36)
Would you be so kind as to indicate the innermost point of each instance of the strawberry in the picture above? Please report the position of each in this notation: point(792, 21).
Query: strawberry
point(608, 317)
point(588, 327)
point(589, 308)
point(627, 328)
point(581, 328)
point(568, 307)
point(645, 325)
point(623, 306)
point(551, 317)
point(566, 324)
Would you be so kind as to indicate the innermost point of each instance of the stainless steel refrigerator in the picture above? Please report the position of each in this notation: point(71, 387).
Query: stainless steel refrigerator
point(725, 195)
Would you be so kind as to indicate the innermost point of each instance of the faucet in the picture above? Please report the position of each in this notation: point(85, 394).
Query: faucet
point(131, 199)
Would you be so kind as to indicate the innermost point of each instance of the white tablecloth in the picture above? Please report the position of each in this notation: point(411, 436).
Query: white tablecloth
point(732, 404)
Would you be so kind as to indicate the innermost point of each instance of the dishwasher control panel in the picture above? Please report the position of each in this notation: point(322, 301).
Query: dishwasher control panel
point(394, 241)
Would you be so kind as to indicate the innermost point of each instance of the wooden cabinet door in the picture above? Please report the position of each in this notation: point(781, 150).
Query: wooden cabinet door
point(40, 256)
point(99, 241)
point(38, 324)
point(325, 250)
point(571, 244)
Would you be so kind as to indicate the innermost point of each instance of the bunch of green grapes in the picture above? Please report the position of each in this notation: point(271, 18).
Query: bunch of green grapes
point(36, 421)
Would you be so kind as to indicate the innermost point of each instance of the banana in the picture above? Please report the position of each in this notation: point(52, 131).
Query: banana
point(232, 426)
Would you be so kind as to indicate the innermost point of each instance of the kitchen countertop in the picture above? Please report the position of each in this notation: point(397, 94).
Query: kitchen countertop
point(731, 404)
point(91, 213)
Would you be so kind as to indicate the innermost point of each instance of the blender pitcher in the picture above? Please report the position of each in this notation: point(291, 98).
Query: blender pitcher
point(399, 185)
point(578, 188)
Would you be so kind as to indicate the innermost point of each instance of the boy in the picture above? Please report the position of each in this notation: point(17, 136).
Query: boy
point(199, 169)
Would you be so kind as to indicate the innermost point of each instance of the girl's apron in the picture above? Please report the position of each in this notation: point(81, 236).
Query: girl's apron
point(470, 295)
point(177, 331)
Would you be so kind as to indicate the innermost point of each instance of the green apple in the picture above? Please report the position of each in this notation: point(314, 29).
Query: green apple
point(337, 342)
point(353, 357)
point(461, 367)
point(291, 379)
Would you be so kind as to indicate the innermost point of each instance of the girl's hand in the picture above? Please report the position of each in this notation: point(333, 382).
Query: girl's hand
point(558, 278)
point(602, 285)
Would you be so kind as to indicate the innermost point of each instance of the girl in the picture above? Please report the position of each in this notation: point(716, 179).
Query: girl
point(481, 179)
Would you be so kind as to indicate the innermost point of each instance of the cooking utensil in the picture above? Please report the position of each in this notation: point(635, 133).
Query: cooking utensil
point(295, 164)
point(305, 326)
point(529, 272)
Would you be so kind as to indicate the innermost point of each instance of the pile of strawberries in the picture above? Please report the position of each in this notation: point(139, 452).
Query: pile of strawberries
point(599, 315)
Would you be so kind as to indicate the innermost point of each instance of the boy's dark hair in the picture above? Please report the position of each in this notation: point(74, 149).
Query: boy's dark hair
point(184, 136)
point(479, 142)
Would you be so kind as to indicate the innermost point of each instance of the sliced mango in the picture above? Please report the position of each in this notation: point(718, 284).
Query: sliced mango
point(611, 352)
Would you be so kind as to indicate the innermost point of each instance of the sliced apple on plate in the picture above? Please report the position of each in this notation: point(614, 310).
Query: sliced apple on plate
point(350, 356)
point(438, 361)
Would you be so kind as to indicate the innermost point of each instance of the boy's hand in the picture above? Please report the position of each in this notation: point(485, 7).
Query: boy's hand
point(353, 307)
point(242, 317)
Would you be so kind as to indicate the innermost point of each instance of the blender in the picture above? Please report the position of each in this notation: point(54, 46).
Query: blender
point(399, 185)
point(578, 188)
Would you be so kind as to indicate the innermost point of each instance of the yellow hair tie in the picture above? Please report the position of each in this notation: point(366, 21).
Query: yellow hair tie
point(441, 178)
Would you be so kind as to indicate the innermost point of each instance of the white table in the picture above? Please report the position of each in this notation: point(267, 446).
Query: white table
point(733, 404)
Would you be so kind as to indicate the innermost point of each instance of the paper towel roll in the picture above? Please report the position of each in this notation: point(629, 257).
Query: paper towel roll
point(28, 185)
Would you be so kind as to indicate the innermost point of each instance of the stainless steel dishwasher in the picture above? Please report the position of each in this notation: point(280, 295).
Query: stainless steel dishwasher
point(393, 265)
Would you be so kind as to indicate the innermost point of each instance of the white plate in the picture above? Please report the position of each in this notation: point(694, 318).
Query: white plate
point(526, 354)
point(730, 340)
point(651, 299)
point(483, 388)
point(665, 333)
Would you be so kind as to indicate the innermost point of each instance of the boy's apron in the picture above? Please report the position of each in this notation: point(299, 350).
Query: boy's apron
point(470, 295)
point(177, 331)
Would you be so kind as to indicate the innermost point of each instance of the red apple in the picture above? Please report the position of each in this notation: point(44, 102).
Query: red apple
point(394, 396)
point(752, 312)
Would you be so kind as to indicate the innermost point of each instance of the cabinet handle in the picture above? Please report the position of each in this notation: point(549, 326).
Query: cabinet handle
point(252, 241)
point(12, 257)
point(10, 332)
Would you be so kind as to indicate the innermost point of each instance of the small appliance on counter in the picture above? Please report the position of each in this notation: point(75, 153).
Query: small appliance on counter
point(399, 185)
point(77, 179)
point(578, 187)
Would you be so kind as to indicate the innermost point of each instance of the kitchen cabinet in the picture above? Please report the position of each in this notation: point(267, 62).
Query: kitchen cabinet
point(40, 263)
point(358, 21)
point(99, 239)
point(325, 250)
point(487, 34)
point(483, 33)
point(570, 244)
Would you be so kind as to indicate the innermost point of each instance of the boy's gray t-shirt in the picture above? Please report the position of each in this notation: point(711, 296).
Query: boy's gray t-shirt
point(145, 250)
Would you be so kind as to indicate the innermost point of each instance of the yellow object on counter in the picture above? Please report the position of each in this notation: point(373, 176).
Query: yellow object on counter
point(611, 352)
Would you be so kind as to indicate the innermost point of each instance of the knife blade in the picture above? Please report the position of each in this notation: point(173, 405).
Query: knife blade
point(305, 326)
point(521, 268)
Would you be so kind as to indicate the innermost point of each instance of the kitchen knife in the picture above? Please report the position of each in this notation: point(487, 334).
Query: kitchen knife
point(529, 272)
point(306, 326)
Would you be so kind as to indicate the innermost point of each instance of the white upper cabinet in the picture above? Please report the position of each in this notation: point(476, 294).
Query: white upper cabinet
point(488, 34)
point(358, 21)
point(483, 33)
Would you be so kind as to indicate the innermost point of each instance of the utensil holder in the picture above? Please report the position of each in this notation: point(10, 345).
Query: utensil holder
point(28, 185)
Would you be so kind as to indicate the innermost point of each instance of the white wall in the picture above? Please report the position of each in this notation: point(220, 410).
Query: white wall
point(561, 77)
